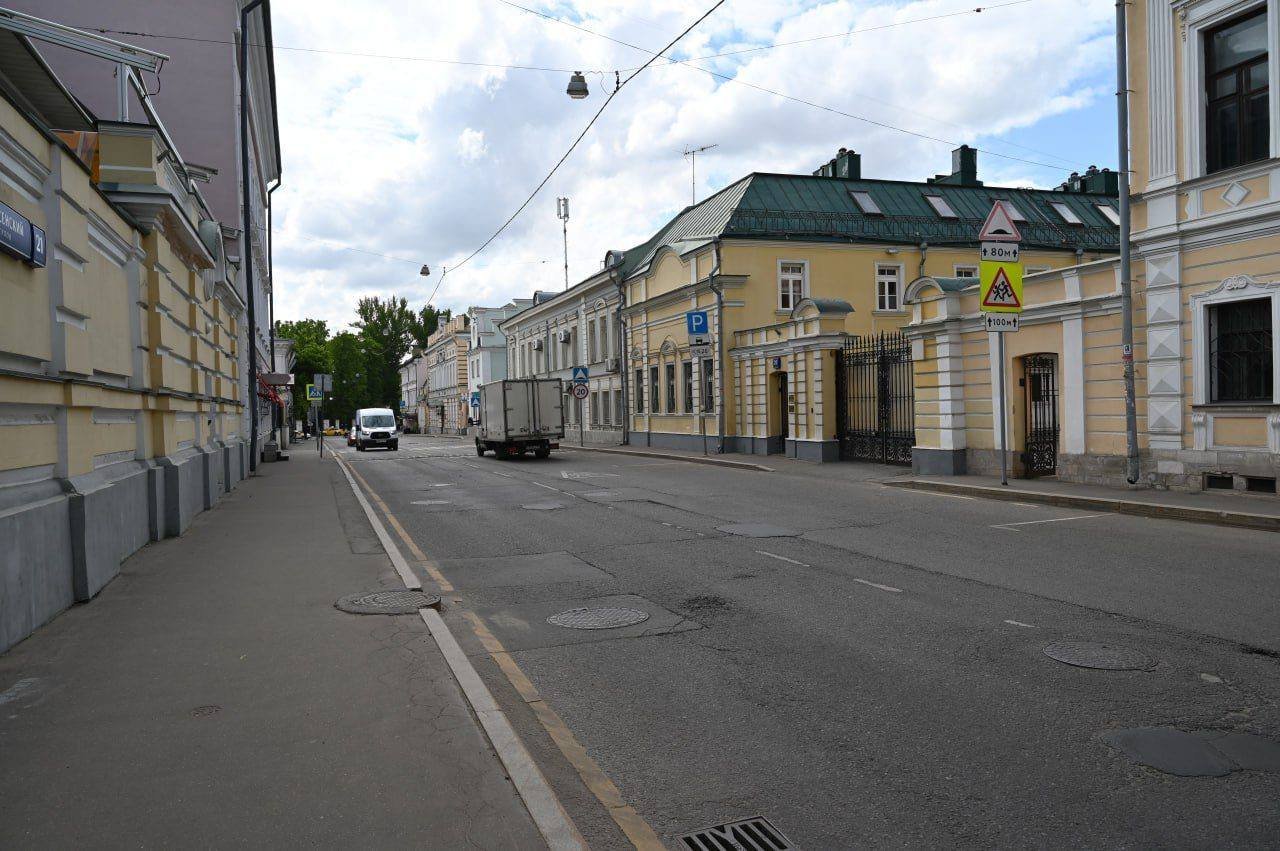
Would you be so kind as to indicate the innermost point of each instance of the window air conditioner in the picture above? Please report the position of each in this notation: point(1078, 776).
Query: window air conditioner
point(537, 345)
point(611, 365)
point(563, 336)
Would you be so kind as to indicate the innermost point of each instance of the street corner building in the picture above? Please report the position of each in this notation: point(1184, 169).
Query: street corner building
point(804, 280)
point(1205, 241)
point(443, 400)
point(123, 326)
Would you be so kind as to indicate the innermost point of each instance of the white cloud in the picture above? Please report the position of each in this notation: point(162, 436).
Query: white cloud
point(424, 160)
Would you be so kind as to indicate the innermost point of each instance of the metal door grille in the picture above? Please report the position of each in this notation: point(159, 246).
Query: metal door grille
point(876, 399)
point(1041, 455)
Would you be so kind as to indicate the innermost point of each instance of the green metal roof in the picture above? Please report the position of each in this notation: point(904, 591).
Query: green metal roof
point(793, 206)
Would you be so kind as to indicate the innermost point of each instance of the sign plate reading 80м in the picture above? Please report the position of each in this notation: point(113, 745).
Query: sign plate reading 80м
point(1000, 252)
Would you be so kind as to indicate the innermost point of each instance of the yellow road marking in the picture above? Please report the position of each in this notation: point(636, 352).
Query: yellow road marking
point(427, 564)
point(632, 824)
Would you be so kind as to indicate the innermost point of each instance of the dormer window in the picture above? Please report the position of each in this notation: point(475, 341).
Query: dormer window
point(1110, 212)
point(941, 207)
point(1068, 215)
point(866, 203)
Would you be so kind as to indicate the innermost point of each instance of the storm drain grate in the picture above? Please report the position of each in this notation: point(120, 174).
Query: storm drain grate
point(1100, 655)
point(753, 834)
point(608, 617)
point(405, 602)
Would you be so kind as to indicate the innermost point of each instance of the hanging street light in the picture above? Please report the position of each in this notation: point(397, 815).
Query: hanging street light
point(577, 86)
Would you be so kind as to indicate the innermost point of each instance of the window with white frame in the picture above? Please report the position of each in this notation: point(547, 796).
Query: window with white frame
point(866, 203)
point(1111, 213)
point(888, 285)
point(1241, 349)
point(966, 271)
point(791, 283)
point(1237, 115)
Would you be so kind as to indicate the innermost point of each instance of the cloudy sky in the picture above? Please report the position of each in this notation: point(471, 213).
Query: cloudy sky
point(421, 160)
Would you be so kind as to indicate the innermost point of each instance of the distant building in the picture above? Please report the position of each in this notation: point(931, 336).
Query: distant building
point(487, 348)
point(411, 376)
point(444, 407)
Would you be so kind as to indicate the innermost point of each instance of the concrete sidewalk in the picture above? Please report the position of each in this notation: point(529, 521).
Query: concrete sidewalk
point(212, 695)
point(1223, 509)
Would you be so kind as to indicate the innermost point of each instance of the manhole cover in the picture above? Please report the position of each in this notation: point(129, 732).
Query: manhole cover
point(754, 833)
point(1100, 655)
point(406, 602)
point(608, 617)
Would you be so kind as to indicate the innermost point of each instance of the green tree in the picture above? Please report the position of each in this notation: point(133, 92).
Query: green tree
point(311, 355)
point(389, 329)
point(350, 365)
point(427, 322)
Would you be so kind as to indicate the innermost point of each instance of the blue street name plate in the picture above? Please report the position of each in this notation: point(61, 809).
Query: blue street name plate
point(20, 238)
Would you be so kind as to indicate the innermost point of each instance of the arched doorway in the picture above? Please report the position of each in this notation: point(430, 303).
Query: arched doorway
point(1040, 383)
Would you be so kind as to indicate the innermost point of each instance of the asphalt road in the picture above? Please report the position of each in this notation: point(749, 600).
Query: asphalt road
point(871, 673)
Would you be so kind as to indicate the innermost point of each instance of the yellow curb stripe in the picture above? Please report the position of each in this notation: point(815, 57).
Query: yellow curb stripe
point(427, 564)
point(636, 829)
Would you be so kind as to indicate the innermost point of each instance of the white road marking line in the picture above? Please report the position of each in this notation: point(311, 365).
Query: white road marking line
point(779, 558)
point(548, 487)
point(1020, 623)
point(16, 690)
point(1025, 504)
point(937, 493)
point(888, 588)
point(1050, 520)
point(393, 552)
point(430, 502)
point(555, 825)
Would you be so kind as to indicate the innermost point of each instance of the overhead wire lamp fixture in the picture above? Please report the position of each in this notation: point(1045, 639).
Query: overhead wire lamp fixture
point(577, 86)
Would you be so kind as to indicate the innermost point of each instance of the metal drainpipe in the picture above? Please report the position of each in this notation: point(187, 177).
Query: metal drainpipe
point(623, 365)
point(719, 291)
point(246, 237)
point(1126, 283)
point(271, 310)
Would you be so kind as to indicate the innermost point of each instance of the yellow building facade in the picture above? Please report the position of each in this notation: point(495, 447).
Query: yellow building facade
point(1205, 237)
point(120, 394)
point(444, 404)
point(792, 269)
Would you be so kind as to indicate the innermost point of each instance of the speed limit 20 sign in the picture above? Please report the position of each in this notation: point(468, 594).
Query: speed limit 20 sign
point(1000, 252)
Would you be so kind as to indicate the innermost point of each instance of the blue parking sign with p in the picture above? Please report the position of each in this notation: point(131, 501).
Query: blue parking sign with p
point(696, 322)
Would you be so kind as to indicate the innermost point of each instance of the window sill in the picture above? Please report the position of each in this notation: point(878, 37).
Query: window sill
point(898, 312)
point(1237, 407)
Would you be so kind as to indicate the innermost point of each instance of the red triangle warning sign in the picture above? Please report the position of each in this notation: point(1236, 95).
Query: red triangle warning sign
point(1002, 293)
point(999, 226)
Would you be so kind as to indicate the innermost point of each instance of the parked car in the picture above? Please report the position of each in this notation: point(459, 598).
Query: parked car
point(376, 427)
point(519, 416)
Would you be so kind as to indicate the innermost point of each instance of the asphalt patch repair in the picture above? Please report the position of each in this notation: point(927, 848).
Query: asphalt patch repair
point(1196, 753)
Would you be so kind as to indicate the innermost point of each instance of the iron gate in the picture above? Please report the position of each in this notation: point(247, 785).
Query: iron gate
point(1041, 455)
point(876, 401)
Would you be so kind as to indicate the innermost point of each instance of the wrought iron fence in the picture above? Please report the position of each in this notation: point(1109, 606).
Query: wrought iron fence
point(876, 399)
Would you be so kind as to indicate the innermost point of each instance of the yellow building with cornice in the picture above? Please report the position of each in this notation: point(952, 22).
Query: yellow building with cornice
point(1205, 193)
point(121, 398)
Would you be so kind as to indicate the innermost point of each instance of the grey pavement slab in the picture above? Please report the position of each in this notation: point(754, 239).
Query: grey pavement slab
point(521, 571)
point(213, 696)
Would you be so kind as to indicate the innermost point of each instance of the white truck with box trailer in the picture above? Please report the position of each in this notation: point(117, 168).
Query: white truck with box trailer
point(519, 415)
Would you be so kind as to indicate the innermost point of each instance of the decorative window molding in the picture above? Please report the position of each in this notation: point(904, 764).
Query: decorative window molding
point(789, 273)
point(1199, 16)
point(1235, 288)
point(889, 287)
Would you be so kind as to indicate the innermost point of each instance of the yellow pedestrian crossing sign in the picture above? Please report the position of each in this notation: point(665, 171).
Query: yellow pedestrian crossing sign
point(1001, 287)
point(314, 393)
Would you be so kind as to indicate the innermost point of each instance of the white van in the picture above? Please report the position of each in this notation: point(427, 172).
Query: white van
point(375, 427)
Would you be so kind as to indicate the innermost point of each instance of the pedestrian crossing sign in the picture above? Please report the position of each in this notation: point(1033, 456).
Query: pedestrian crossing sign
point(314, 393)
point(1001, 287)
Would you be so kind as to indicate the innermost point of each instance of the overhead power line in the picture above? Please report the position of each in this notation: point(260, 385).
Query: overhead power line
point(617, 88)
point(686, 63)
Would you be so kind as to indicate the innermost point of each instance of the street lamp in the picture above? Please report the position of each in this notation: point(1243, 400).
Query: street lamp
point(577, 86)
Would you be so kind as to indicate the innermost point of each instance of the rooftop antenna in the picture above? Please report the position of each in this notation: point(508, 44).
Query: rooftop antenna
point(562, 213)
point(692, 154)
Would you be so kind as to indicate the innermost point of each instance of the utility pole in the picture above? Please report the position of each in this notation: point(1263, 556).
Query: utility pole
point(562, 213)
point(692, 154)
point(1132, 470)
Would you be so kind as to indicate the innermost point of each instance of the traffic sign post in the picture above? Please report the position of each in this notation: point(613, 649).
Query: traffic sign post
point(1000, 289)
point(581, 389)
point(698, 326)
